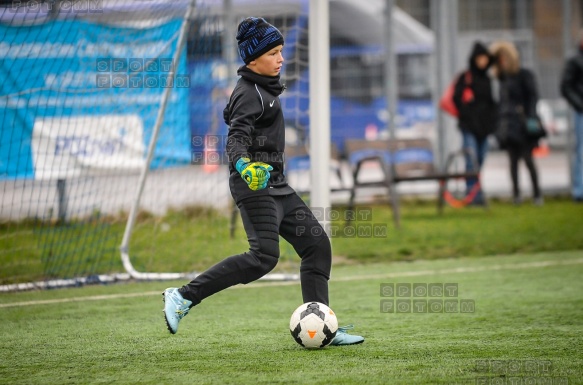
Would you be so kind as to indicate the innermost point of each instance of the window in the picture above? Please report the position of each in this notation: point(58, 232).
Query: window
point(414, 76)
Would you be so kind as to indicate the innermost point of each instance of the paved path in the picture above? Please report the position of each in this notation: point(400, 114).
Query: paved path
point(175, 188)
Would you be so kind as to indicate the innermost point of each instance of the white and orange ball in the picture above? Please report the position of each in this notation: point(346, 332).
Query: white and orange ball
point(313, 325)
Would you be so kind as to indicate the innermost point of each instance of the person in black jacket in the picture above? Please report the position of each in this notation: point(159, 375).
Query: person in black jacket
point(269, 207)
point(572, 90)
point(517, 113)
point(477, 112)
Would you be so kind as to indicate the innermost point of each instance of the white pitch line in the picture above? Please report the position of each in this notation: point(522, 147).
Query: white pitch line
point(458, 270)
point(418, 273)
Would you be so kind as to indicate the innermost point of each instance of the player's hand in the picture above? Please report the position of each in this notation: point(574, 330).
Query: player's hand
point(256, 174)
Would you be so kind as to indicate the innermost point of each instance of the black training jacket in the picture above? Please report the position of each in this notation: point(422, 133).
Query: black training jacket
point(477, 116)
point(256, 131)
point(572, 81)
point(518, 99)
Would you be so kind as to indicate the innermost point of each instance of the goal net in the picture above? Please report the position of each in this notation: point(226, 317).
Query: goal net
point(112, 135)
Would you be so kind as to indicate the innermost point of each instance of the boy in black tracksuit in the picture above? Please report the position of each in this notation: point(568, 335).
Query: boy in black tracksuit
point(269, 207)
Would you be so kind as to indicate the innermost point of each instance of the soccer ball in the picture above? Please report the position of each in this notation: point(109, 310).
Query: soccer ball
point(313, 325)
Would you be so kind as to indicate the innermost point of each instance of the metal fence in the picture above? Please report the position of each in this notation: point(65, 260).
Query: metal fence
point(538, 27)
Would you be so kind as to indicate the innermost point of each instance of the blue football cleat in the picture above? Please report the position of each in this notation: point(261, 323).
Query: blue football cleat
point(343, 338)
point(175, 308)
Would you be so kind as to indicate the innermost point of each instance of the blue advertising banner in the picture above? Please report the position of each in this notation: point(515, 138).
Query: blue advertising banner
point(81, 98)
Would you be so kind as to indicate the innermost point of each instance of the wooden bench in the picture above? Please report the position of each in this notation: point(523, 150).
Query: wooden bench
point(404, 160)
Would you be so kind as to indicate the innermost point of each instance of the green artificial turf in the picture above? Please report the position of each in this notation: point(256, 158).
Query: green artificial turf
point(527, 325)
point(192, 239)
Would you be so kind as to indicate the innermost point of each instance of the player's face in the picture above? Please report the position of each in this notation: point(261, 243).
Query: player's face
point(268, 64)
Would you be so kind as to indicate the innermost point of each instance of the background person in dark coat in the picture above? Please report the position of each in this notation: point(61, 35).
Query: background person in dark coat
point(518, 99)
point(477, 111)
point(572, 90)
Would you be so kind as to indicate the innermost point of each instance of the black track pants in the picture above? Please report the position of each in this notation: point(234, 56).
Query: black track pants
point(515, 153)
point(264, 219)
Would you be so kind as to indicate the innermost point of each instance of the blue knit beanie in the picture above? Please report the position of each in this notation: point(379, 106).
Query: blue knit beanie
point(255, 36)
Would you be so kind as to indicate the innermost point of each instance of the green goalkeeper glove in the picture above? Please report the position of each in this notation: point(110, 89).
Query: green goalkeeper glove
point(256, 174)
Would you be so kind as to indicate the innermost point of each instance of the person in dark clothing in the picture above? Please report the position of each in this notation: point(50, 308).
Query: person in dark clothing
point(269, 207)
point(477, 112)
point(572, 90)
point(517, 113)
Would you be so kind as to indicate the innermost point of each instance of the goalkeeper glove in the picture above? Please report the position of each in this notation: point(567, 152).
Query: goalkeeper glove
point(256, 174)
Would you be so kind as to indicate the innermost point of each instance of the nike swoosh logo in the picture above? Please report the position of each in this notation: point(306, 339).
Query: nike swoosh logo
point(271, 104)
